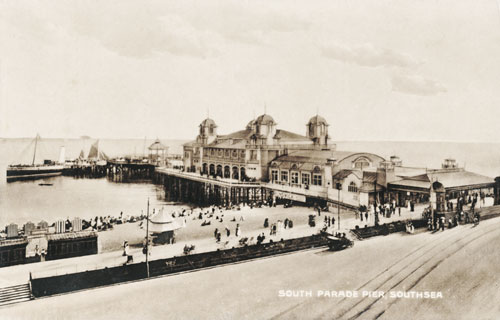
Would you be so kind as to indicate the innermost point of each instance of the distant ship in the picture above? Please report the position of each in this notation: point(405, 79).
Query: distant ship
point(33, 171)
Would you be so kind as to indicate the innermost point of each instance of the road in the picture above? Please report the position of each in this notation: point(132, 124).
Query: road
point(461, 264)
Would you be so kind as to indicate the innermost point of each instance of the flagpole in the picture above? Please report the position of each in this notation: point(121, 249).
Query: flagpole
point(147, 240)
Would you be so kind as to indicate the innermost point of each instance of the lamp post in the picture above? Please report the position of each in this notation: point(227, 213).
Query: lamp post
point(339, 186)
point(147, 240)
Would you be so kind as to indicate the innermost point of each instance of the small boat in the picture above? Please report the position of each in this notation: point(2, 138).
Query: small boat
point(45, 184)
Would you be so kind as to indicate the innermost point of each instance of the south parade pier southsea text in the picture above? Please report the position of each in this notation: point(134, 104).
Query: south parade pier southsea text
point(360, 294)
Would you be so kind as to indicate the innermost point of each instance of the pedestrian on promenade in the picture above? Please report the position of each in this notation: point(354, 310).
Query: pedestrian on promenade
point(366, 216)
point(441, 222)
point(238, 230)
point(228, 232)
point(216, 231)
point(126, 252)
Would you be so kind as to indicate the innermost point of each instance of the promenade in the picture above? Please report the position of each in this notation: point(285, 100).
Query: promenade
point(426, 261)
point(251, 222)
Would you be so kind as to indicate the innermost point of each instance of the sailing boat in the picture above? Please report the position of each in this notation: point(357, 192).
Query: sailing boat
point(33, 171)
point(96, 155)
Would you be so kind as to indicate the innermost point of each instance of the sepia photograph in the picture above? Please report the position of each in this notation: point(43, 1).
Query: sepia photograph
point(225, 159)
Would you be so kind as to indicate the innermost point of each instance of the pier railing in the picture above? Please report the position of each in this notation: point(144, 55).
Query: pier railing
point(197, 177)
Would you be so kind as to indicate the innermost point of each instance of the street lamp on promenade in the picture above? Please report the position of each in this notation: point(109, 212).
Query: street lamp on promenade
point(147, 240)
point(339, 186)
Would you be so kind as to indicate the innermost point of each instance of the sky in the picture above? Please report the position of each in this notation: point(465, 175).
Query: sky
point(376, 70)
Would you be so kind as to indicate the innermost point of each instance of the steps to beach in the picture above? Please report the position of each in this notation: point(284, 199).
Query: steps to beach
point(15, 294)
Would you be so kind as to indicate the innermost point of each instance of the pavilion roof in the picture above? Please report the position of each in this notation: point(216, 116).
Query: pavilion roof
point(157, 145)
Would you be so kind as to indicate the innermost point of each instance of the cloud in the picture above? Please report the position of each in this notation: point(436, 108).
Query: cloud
point(367, 55)
point(247, 24)
point(144, 34)
point(416, 85)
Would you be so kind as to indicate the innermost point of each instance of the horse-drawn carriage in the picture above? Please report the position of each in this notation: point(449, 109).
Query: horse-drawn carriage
point(339, 243)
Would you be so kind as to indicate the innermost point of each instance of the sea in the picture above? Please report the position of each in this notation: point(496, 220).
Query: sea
point(69, 197)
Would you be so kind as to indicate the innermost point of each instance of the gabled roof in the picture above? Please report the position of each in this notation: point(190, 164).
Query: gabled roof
point(229, 143)
point(460, 178)
point(342, 174)
point(287, 135)
point(242, 134)
point(450, 179)
point(314, 156)
point(192, 143)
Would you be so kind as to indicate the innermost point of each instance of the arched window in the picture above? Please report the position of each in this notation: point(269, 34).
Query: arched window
point(352, 187)
point(361, 163)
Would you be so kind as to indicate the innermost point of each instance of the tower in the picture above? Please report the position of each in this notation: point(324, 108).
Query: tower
point(208, 131)
point(317, 130)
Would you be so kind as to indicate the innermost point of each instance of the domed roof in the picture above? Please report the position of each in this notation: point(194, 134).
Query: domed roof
point(317, 120)
point(208, 123)
point(265, 119)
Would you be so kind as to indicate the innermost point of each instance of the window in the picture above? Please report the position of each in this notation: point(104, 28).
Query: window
point(274, 175)
point(306, 178)
point(294, 177)
point(284, 176)
point(212, 152)
point(242, 154)
point(253, 154)
point(186, 154)
point(317, 181)
point(352, 187)
point(361, 163)
point(227, 153)
point(220, 153)
point(235, 154)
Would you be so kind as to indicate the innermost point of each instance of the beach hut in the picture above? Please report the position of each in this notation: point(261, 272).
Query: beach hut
point(162, 226)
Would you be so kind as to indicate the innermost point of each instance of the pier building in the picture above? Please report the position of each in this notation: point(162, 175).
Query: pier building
point(262, 162)
point(245, 155)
